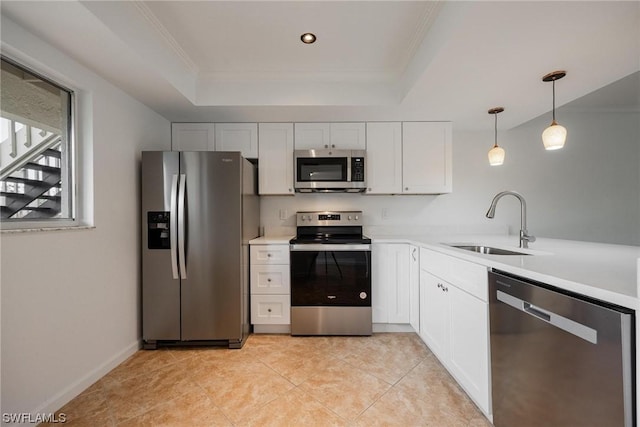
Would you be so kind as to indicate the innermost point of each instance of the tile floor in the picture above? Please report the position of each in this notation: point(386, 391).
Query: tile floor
point(278, 380)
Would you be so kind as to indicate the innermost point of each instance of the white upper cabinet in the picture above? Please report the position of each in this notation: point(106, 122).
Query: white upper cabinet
point(241, 137)
point(192, 137)
point(348, 136)
point(426, 157)
point(275, 151)
point(341, 136)
point(310, 136)
point(384, 158)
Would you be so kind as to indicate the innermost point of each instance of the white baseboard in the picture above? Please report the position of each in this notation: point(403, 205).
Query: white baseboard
point(392, 327)
point(377, 327)
point(271, 329)
point(74, 389)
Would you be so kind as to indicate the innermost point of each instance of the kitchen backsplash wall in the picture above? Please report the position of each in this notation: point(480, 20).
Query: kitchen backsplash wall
point(589, 190)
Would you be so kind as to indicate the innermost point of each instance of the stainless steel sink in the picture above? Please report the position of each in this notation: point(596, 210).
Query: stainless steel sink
point(488, 250)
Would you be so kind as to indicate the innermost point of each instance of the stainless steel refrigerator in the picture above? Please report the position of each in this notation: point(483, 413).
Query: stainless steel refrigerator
point(199, 211)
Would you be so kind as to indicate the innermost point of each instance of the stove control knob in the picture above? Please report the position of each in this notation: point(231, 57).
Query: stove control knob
point(357, 217)
point(349, 217)
point(363, 295)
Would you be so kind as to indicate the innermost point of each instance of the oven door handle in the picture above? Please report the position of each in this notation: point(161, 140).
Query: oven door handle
point(322, 247)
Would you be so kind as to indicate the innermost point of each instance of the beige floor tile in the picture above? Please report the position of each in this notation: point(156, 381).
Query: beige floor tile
point(340, 381)
point(134, 396)
point(141, 363)
point(192, 409)
point(294, 408)
point(345, 389)
point(238, 390)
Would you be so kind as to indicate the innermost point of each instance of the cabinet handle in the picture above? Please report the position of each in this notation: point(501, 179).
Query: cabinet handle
point(413, 254)
point(269, 279)
point(289, 190)
point(268, 255)
point(406, 188)
point(333, 145)
point(326, 146)
point(269, 310)
point(368, 189)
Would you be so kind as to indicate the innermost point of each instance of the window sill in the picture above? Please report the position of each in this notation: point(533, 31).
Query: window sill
point(37, 229)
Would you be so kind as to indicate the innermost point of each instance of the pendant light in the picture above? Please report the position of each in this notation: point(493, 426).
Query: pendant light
point(496, 154)
point(555, 135)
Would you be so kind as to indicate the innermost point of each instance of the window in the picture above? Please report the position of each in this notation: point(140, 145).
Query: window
point(36, 149)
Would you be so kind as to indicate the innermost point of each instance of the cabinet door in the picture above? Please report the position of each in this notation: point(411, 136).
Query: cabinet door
point(270, 309)
point(270, 279)
point(414, 288)
point(192, 137)
point(269, 254)
point(348, 136)
point(275, 154)
point(469, 344)
point(434, 315)
point(398, 277)
point(384, 158)
point(379, 283)
point(426, 157)
point(310, 136)
point(241, 137)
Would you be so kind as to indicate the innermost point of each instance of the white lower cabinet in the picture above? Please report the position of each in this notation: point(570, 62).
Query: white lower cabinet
point(270, 309)
point(414, 288)
point(390, 283)
point(270, 287)
point(454, 323)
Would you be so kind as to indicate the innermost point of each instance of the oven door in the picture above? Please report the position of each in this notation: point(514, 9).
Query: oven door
point(331, 275)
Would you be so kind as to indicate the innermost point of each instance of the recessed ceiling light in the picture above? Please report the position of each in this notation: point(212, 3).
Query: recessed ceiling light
point(308, 38)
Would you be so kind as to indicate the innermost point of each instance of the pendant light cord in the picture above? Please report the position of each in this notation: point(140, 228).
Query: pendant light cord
point(496, 130)
point(553, 85)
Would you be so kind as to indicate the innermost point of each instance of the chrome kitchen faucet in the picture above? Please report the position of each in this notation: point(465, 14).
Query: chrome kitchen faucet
point(525, 237)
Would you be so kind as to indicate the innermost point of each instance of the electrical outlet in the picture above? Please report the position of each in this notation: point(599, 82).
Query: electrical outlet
point(283, 214)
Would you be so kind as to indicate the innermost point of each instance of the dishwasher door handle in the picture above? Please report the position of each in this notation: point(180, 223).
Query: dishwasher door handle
point(561, 322)
point(535, 311)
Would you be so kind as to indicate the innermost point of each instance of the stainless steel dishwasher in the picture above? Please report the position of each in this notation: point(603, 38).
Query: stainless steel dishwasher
point(559, 359)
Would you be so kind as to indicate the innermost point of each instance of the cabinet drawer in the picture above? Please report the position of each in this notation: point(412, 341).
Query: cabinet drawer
point(270, 309)
point(270, 254)
point(469, 277)
point(270, 279)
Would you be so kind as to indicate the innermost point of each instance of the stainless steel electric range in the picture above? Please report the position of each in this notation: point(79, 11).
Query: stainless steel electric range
point(330, 275)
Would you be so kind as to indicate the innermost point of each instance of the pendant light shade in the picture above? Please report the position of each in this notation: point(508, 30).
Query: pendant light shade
point(496, 154)
point(555, 135)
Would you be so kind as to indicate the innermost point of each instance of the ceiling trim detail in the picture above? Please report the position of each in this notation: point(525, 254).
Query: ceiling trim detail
point(427, 19)
point(166, 36)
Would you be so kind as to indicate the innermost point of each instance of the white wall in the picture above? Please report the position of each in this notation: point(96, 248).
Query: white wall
point(70, 299)
point(589, 191)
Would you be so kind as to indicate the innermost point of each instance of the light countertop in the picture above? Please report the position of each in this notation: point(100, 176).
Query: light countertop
point(271, 240)
point(602, 271)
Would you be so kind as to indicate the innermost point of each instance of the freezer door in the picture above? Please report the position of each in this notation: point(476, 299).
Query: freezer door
point(160, 283)
point(211, 293)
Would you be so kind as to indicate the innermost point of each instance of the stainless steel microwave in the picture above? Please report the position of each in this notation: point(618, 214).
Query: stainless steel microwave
point(329, 171)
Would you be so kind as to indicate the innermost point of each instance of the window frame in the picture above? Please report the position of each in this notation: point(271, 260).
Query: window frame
point(73, 173)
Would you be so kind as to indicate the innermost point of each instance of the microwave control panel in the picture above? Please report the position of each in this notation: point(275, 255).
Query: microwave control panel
point(357, 169)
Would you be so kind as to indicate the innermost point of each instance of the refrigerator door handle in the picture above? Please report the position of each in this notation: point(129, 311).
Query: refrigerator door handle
point(181, 227)
point(173, 226)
